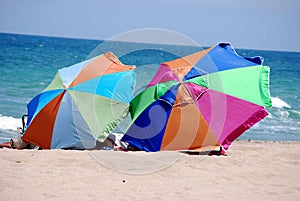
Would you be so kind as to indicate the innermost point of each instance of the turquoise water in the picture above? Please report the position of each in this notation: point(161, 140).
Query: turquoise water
point(29, 63)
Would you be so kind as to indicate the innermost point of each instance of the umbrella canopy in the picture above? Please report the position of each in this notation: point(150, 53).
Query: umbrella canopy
point(83, 103)
point(200, 102)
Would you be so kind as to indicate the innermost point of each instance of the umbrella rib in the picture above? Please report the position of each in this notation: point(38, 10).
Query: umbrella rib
point(165, 101)
point(59, 100)
point(201, 94)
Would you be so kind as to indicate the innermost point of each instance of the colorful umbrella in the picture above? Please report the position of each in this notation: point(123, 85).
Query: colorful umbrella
point(83, 103)
point(200, 102)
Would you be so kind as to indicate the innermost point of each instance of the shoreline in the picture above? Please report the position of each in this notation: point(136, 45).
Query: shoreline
point(263, 170)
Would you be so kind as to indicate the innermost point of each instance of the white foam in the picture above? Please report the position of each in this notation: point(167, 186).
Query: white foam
point(279, 103)
point(9, 123)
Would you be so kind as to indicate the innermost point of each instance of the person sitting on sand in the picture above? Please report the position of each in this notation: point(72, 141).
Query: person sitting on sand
point(18, 143)
point(113, 141)
point(5, 145)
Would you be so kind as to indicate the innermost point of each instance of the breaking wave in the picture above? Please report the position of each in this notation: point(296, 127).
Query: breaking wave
point(9, 123)
point(279, 103)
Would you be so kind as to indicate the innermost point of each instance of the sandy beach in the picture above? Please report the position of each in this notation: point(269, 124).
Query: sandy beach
point(252, 170)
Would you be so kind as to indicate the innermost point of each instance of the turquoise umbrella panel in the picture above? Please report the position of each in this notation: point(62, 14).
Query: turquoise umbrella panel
point(117, 86)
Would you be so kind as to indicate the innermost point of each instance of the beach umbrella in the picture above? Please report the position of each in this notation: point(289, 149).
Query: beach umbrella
point(200, 102)
point(82, 104)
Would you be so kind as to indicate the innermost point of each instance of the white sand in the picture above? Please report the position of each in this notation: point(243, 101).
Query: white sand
point(251, 171)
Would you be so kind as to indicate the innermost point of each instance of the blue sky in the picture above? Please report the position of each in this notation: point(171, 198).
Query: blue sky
point(255, 24)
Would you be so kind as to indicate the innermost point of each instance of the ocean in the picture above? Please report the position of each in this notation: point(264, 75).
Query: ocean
point(29, 63)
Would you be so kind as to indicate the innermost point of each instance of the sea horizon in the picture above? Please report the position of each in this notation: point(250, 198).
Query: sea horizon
point(103, 40)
